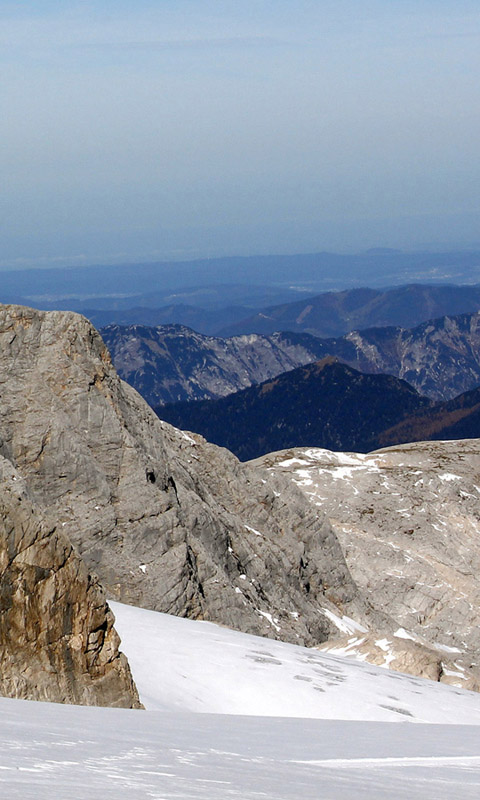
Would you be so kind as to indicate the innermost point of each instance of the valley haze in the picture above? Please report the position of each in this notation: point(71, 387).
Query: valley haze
point(270, 127)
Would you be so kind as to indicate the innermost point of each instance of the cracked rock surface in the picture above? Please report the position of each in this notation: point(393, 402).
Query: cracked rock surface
point(408, 521)
point(57, 640)
point(165, 520)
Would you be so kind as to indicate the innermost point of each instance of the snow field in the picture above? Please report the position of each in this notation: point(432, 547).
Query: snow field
point(186, 665)
point(257, 738)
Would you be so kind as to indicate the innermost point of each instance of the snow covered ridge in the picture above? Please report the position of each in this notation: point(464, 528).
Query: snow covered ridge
point(407, 519)
point(254, 739)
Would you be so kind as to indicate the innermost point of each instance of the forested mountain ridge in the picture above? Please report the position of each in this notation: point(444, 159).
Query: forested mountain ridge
point(336, 313)
point(323, 404)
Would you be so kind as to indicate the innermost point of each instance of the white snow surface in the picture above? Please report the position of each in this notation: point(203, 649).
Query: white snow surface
point(50, 752)
point(186, 665)
point(344, 624)
point(258, 738)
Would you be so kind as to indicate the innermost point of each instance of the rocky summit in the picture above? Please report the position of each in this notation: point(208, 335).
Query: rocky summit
point(164, 519)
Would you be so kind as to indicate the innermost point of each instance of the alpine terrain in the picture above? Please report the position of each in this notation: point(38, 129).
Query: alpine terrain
point(172, 363)
point(367, 555)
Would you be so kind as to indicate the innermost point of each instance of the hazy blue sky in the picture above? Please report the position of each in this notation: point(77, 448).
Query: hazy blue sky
point(183, 127)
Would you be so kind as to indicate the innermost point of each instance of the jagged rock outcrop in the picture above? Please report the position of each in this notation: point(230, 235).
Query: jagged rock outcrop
point(57, 640)
point(408, 520)
point(440, 358)
point(167, 521)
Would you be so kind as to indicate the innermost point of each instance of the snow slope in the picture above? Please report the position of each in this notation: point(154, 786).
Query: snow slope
point(54, 752)
point(181, 664)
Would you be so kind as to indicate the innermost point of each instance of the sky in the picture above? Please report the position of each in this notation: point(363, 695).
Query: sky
point(189, 128)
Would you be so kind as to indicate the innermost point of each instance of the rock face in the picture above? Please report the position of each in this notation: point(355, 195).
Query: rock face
point(167, 521)
point(408, 522)
point(440, 358)
point(57, 640)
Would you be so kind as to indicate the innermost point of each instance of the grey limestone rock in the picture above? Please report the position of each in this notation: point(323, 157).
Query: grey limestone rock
point(408, 521)
point(166, 520)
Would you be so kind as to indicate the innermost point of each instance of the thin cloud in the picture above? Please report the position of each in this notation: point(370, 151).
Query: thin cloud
point(190, 44)
point(460, 35)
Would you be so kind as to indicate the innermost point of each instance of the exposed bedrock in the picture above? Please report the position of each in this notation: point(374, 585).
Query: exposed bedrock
point(57, 640)
point(166, 520)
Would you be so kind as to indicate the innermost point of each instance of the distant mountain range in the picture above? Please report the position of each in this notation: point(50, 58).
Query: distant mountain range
point(336, 313)
point(324, 404)
point(205, 321)
point(234, 309)
point(316, 272)
point(440, 358)
point(456, 419)
point(172, 363)
point(330, 314)
point(224, 295)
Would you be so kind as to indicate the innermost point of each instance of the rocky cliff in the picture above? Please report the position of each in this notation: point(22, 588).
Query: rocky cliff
point(166, 520)
point(57, 640)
